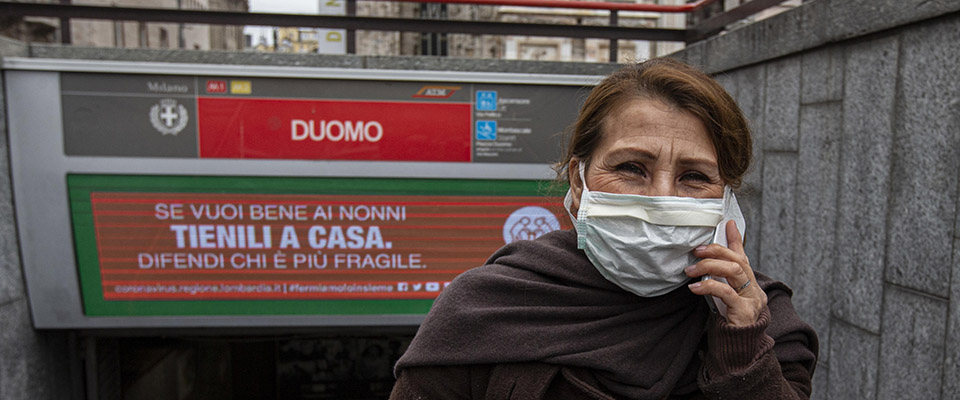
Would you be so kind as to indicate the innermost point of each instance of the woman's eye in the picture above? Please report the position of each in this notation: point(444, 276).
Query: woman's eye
point(695, 176)
point(631, 168)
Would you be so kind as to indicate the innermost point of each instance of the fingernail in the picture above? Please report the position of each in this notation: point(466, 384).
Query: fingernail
point(700, 248)
point(694, 285)
point(690, 268)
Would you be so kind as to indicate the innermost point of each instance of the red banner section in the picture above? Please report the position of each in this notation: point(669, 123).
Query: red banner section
point(176, 246)
point(333, 130)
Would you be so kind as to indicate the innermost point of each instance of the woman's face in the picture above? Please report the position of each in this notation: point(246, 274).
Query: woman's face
point(651, 148)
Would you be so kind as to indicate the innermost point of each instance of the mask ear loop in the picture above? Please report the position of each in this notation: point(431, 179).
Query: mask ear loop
point(581, 214)
point(568, 199)
point(583, 180)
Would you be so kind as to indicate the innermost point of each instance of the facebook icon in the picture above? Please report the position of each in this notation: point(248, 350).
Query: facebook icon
point(486, 130)
point(486, 100)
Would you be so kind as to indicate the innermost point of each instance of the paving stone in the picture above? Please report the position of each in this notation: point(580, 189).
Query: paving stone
point(816, 213)
point(854, 361)
point(781, 112)
point(822, 75)
point(871, 71)
point(777, 230)
point(926, 159)
point(912, 345)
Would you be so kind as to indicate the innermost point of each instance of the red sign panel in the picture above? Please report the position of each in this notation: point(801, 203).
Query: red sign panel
point(173, 246)
point(333, 130)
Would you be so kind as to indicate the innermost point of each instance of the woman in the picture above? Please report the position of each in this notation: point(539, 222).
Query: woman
point(617, 308)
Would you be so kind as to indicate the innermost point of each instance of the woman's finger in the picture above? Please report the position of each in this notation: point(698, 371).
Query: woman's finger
point(719, 252)
point(732, 271)
point(733, 253)
point(718, 289)
point(741, 311)
point(734, 240)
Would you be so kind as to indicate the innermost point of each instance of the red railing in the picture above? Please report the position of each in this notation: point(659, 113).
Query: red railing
point(590, 5)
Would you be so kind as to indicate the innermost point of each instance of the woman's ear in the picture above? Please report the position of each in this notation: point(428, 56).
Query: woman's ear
point(576, 185)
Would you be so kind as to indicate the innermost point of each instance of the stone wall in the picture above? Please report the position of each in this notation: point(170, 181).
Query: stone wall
point(33, 364)
point(853, 198)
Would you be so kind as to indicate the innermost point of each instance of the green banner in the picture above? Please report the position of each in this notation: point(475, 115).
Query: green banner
point(147, 260)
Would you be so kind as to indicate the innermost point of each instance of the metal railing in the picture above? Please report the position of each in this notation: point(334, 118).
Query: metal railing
point(351, 22)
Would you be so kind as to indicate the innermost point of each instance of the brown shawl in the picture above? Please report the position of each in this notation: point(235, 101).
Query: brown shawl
point(544, 301)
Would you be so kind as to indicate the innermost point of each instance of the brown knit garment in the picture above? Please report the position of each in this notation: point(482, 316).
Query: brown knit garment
point(543, 301)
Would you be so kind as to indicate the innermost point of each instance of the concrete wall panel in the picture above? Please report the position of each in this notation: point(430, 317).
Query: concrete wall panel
point(777, 231)
point(854, 363)
point(778, 34)
point(821, 379)
point(926, 159)
point(870, 87)
point(822, 75)
point(33, 365)
point(748, 85)
point(816, 213)
point(813, 24)
point(911, 347)
point(951, 360)
point(782, 111)
point(853, 18)
point(11, 277)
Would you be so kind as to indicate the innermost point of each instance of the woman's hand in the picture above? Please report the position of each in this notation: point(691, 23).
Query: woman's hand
point(742, 295)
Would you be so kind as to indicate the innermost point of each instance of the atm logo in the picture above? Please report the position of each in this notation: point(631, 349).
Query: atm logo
point(436, 92)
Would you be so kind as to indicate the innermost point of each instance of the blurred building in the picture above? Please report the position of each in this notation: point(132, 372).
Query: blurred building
point(386, 43)
point(132, 34)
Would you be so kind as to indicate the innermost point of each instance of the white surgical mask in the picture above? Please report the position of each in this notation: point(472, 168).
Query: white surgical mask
point(643, 243)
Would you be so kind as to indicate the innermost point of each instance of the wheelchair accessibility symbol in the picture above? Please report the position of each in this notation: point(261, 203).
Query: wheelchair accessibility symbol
point(486, 130)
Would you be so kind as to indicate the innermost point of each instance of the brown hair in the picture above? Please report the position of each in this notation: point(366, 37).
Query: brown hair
point(674, 83)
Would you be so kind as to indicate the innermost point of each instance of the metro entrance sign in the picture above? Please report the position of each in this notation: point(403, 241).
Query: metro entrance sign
point(187, 195)
point(273, 118)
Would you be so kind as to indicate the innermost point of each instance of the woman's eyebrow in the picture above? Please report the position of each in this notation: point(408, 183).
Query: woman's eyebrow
point(646, 155)
point(695, 162)
point(634, 153)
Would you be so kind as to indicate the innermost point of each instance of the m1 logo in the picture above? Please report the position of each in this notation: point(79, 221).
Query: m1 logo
point(216, 86)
